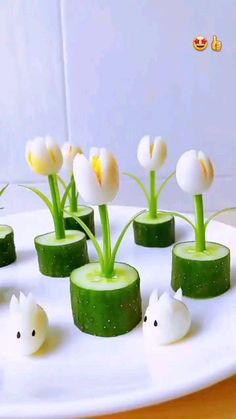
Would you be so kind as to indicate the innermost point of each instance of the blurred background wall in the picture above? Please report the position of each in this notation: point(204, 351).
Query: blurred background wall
point(106, 72)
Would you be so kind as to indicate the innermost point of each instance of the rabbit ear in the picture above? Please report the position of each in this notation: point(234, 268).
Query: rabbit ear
point(30, 304)
point(153, 297)
point(166, 302)
point(179, 295)
point(14, 305)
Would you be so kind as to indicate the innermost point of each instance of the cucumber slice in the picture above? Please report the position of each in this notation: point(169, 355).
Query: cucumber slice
point(87, 216)
point(154, 233)
point(200, 274)
point(102, 306)
point(7, 246)
point(58, 258)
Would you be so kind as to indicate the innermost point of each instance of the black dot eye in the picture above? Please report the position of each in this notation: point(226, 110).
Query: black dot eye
point(145, 318)
point(33, 333)
point(18, 335)
point(155, 323)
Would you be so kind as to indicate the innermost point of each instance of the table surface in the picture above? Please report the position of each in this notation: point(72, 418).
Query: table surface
point(215, 402)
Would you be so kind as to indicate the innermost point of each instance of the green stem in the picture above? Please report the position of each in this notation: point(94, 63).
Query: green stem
point(153, 196)
point(216, 214)
point(181, 216)
point(57, 214)
point(107, 270)
point(62, 182)
point(199, 223)
point(3, 189)
point(73, 196)
point(90, 235)
point(120, 238)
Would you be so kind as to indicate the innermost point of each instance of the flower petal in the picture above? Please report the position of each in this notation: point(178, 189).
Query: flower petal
point(110, 175)
point(93, 152)
point(152, 155)
point(43, 155)
point(143, 152)
point(207, 167)
point(86, 180)
point(69, 152)
point(54, 153)
point(37, 156)
point(159, 153)
point(192, 175)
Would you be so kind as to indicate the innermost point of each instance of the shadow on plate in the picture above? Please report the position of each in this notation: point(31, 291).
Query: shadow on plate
point(194, 330)
point(56, 337)
point(233, 277)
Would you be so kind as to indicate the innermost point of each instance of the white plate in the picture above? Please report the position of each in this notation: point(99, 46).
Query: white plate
point(80, 375)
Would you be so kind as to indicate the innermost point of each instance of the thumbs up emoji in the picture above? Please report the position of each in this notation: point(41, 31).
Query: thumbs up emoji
point(216, 45)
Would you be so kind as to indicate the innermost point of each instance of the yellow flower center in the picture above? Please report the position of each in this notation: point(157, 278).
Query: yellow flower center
point(204, 168)
point(211, 170)
point(52, 155)
point(208, 169)
point(151, 149)
point(30, 158)
point(97, 167)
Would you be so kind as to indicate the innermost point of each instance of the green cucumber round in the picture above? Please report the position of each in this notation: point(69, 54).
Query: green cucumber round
point(7, 246)
point(200, 274)
point(102, 306)
point(58, 258)
point(159, 232)
point(87, 216)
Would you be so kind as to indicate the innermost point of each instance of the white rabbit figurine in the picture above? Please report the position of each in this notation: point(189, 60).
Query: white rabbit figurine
point(28, 324)
point(167, 319)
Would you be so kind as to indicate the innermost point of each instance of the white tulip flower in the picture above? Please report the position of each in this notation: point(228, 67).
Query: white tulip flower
point(97, 179)
point(69, 152)
point(152, 155)
point(44, 155)
point(194, 172)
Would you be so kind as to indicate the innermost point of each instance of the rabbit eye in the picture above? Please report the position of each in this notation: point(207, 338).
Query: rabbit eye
point(33, 333)
point(155, 323)
point(145, 318)
point(18, 335)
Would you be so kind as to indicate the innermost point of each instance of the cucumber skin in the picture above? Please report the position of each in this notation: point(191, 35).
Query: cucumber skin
point(60, 261)
point(88, 219)
point(154, 235)
point(106, 313)
point(7, 249)
point(200, 279)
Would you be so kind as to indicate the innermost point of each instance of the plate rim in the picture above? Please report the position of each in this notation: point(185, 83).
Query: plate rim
point(111, 404)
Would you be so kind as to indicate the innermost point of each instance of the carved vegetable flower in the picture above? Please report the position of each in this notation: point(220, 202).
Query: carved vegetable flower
point(44, 156)
point(152, 154)
point(194, 172)
point(97, 179)
point(69, 152)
